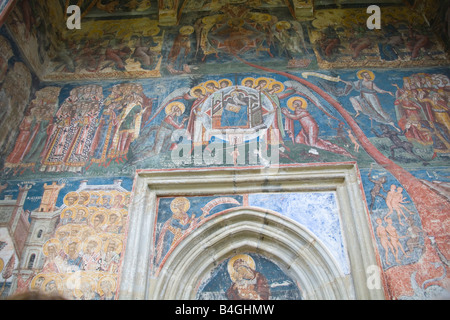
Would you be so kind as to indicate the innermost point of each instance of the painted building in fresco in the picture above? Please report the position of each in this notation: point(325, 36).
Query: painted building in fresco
point(209, 87)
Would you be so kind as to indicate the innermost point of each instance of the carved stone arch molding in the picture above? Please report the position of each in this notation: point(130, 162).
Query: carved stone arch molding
point(298, 252)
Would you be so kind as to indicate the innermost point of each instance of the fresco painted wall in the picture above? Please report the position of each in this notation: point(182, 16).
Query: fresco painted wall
point(219, 83)
point(76, 237)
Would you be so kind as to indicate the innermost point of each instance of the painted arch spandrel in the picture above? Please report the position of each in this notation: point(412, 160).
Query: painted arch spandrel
point(178, 217)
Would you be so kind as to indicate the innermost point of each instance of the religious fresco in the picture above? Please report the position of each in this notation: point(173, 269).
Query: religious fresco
point(215, 32)
point(341, 39)
point(107, 50)
point(17, 84)
point(248, 277)
point(178, 217)
point(76, 241)
point(203, 41)
point(107, 129)
point(193, 96)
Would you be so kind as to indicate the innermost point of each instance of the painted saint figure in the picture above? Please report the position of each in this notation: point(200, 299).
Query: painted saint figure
point(175, 227)
point(367, 102)
point(309, 134)
point(248, 284)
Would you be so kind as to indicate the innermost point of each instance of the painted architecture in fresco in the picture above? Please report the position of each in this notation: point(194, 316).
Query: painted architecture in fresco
point(210, 84)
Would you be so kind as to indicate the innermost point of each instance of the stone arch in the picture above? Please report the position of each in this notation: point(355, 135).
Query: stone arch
point(253, 231)
point(293, 248)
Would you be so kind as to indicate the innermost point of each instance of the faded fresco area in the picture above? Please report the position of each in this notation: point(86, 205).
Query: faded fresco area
point(213, 84)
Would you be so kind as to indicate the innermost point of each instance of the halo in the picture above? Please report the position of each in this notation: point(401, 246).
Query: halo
point(182, 200)
point(77, 208)
point(117, 241)
point(265, 79)
point(247, 259)
point(63, 213)
point(99, 213)
point(72, 194)
point(195, 88)
point(152, 31)
point(117, 194)
point(97, 239)
point(279, 83)
point(253, 80)
point(33, 282)
point(2, 264)
point(117, 213)
point(102, 194)
point(173, 104)
point(55, 242)
point(228, 81)
point(83, 278)
point(360, 72)
point(214, 82)
point(70, 241)
point(92, 197)
point(282, 25)
point(109, 279)
point(52, 278)
point(186, 30)
point(84, 193)
point(291, 101)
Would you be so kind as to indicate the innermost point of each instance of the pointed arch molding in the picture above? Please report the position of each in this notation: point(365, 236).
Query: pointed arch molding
point(247, 229)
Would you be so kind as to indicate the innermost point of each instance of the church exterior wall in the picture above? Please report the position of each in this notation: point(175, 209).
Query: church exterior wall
point(208, 103)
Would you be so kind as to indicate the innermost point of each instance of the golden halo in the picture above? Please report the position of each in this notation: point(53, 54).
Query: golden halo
point(203, 90)
point(77, 292)
point(118, 214)
point(2, 264)
point(83, 194)
point(235, 22)
point(94, 238)
point(291, 101)
point(247, 259)
point(267, 80)
point(209, 20)
point(77, 208)
point(282, 25)
point(63, 213)
point(186, 30)
point(73, 195)
point(99, 213)
point(152, 31)
point(227, 81)
point(33, 282)
point(279, 83)
point(253, 80)
point(214, 82)
point(175, 104)
point(101, 200)
point(180, 200)
point(262, 17)
point(52, 278)
point(77, 241)
point(115, 240)
point(93, 199)
point(75, 230)
point(52, 242)
point(109, 279)
point(360, 72)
